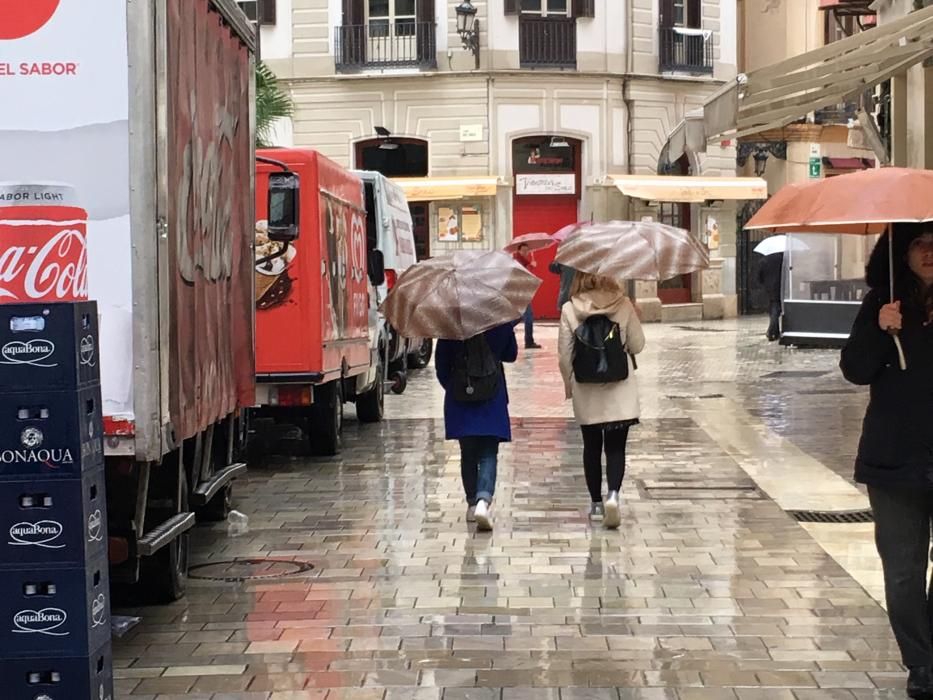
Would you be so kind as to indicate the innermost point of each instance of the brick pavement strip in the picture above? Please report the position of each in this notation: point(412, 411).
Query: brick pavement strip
point(694, 598)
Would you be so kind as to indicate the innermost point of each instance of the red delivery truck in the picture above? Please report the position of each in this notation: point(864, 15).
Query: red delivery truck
point(316, 344)
point(149, 136)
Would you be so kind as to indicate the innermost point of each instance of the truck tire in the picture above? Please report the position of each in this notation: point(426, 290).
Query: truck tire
point(421, 358)
point(326, 425)
point(163, 577)
point(370, 407)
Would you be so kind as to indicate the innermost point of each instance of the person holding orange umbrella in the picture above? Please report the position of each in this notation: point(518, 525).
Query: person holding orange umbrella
point(895, 456)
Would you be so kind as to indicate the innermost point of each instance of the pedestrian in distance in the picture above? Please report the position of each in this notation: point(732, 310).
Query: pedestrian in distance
point(895, 454)
point(524, 258)
point(770, 274)
point(600, 333)
point(566, 275)
point(476, 410)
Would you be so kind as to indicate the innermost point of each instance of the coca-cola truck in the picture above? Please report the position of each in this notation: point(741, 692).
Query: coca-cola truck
point(317, 325)
point(133, 132)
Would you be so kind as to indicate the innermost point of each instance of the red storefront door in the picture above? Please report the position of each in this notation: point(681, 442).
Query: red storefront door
point(543, 214)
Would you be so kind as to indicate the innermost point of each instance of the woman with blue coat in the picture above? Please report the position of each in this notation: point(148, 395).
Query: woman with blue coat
point(478, 426)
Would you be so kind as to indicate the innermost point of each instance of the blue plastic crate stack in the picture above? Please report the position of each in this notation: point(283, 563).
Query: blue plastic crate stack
point(55, 639)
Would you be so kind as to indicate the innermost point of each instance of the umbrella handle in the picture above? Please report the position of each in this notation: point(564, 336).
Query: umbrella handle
point(901, 358)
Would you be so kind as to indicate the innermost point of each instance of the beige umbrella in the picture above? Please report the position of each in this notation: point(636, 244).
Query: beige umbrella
point(633, 250)
point(459, 295)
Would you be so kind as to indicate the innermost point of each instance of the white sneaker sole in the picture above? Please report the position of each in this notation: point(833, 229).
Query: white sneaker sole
point(613, 517)
point(484, 523)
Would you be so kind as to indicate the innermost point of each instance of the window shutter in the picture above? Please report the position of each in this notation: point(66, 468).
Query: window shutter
point(694, 14)
point(425, 11)
point(584, 8)
point(511, 7)
point(354, 12)
point(266, 10)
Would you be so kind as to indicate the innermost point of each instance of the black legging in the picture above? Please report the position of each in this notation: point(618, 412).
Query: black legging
point(614, 438)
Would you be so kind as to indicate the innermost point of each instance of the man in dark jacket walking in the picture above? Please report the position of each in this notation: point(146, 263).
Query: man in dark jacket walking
point(770, 274)
point(895, 454)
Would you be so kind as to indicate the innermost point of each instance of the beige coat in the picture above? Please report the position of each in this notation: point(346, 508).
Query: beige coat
point(600, 403)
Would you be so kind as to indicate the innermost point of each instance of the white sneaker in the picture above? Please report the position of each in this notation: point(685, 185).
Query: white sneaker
point(613, 517)
point(471, 514)
point(597, 510)
point(483, 519)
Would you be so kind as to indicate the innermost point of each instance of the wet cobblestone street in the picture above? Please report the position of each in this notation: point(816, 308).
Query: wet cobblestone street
point(709, 590)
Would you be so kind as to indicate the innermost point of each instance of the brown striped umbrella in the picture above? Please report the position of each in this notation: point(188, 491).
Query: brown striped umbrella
point(534, 241)
point(633, 250)
point(459, 295)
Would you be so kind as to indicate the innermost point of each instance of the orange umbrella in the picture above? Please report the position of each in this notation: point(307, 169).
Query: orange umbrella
point(864, 203)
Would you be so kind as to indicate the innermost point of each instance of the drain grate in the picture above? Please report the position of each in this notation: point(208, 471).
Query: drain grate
point(248, 570)
point(695, 396)
point(794, 374)
point(832, 516)
point(704, 329)
point(827, 392)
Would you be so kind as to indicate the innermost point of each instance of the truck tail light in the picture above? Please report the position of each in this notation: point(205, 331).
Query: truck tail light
point(391, 278)
point(294, 396)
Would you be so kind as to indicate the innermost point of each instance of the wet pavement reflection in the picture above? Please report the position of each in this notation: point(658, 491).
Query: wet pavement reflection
point(708, 590)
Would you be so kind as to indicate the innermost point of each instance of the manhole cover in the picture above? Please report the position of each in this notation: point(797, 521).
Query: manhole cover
point(794, 374)
point(838, 516)
point(248, 569)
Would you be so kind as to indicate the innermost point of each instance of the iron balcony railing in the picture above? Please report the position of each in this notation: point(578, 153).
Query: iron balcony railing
point(686, 50)
point(547, 42)
point(384, 44)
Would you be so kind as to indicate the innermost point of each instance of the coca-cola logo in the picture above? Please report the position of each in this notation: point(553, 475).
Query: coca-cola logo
point(24, 18)
point(41, 534)
point(99, 611)
point(35, 352)
point(87, 351)
point(56, 271)
point(51, 457)
point(45, 622)
point(95, 527)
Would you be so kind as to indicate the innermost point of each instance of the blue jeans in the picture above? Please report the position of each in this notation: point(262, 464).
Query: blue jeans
point(529, 318)
point(479, 457)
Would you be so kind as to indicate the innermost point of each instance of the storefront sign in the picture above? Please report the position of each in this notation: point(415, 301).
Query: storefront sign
point(555, 184)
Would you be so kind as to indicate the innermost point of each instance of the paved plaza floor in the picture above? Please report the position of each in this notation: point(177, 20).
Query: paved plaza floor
point(359, 577)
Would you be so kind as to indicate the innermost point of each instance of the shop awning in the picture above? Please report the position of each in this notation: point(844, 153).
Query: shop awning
point(784, 92)
point(429, 189)
point(676, 188)
point(688, 135)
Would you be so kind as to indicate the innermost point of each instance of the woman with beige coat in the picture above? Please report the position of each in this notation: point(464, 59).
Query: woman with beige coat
point(605, 412)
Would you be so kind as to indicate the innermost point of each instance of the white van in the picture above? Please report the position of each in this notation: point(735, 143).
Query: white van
point(389, 230)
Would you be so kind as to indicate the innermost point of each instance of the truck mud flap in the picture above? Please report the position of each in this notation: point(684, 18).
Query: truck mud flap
point(208, 489)
point(165, 533)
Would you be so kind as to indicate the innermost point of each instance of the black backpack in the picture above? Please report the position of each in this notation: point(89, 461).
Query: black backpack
point(476, 373)
point(599, 355)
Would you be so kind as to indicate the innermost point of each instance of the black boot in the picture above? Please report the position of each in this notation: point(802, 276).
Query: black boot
point(920, 683)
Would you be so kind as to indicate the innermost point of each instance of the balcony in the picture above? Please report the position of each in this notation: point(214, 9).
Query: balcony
point(547, 42)
point(836, 114)
point(381, 45)
point(685, 50)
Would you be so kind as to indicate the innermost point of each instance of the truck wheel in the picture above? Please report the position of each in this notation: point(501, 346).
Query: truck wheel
point(399, 383)
point(163, 577)
point(421, 358)
point(326, 420)
point(370, 407)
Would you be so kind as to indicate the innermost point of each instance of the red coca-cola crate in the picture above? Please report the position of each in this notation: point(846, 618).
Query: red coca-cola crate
point(48, 346)
point(86, 677)
point(54, 611)
point(50, 434)
point(53, 521)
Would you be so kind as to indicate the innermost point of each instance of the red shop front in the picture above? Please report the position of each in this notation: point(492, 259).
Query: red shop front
point(546, 173)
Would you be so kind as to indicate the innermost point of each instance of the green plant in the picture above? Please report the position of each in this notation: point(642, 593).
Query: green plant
point(272, 103)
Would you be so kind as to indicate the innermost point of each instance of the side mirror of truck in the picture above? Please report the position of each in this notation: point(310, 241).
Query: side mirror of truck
point(377, 268)
point(284, 200)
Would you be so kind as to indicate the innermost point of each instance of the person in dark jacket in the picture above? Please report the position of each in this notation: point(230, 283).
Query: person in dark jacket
point(567, 275)
point(479, 427)
point(895, 454)
point(770, 274)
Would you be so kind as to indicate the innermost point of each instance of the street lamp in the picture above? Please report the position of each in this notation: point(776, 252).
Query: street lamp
point(468, 28)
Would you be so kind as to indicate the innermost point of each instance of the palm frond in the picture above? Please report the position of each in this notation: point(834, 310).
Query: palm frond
point(272, 103)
